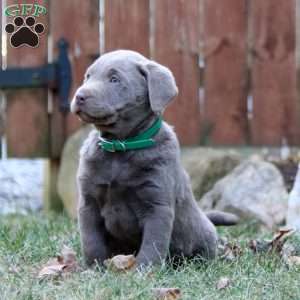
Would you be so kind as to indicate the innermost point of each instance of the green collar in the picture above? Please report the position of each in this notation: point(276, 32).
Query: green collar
point(142, 140)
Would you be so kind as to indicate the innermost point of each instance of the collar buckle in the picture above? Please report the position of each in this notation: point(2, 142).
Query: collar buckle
point(121, 146)
point(106, 145)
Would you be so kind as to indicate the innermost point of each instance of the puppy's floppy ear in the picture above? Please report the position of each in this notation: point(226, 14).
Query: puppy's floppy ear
point(161, 85)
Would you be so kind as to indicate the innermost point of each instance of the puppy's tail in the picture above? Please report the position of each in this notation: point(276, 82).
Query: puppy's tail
point(221, 218)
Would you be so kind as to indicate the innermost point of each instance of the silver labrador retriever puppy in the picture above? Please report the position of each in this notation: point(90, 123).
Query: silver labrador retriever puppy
point(134, 195)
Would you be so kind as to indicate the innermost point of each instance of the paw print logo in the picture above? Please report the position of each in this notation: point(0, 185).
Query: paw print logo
point(24, 32)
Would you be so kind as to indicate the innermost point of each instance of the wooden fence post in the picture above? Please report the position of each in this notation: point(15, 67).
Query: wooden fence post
point(176, 45)
point(276, 109)
point(27, 129)
point(225, 37)
point(127, 25)
point(1, 92)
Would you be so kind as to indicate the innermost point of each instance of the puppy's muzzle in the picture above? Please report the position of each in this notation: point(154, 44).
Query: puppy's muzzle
point(80, 99)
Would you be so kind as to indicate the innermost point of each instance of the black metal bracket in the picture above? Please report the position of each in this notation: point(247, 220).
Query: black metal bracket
point(56, 76)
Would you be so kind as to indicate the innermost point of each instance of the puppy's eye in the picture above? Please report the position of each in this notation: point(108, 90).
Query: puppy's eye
point(88, 76)
point(114, 79)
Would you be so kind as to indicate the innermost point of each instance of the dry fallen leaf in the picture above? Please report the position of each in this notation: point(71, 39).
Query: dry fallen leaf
point(230, 251)
point(293, 260)
point(223, 283)
point(275, 245)
point(280, 238)
point(52, 270)
point(60, 265)
point(167, 293)
point(68, 257)
point(121, 263)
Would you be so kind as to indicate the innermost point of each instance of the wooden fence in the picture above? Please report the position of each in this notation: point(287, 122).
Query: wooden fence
point(234, 63)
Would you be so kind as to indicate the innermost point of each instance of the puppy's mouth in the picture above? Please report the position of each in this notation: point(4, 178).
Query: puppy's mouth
point(106, 121)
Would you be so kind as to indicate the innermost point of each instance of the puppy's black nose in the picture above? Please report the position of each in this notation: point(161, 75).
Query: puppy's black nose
point(80, 98)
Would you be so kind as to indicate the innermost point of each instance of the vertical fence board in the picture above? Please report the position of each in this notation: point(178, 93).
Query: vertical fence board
point(225, 104)
point(1, 32)
point(176, 41)
point(26, 127)
point(298, 53)
point(127, 25)
point(1, 93)
point(82, 34)
point(276, 108)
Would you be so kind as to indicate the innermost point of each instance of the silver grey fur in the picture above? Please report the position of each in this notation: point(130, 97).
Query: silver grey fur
point(136, 202)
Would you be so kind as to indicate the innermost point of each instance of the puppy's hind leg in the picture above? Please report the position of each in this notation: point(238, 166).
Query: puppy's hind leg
point(204, 235)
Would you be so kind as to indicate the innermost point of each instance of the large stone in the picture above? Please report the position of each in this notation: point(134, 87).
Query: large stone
point(66, 184)
point(253, 190)
point(21, 185)
point(206, 166)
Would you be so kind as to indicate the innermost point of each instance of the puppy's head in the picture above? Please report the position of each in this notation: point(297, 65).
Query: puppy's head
point(120, 89)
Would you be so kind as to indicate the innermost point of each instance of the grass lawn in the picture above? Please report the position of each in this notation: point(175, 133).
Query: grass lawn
point(26, 243)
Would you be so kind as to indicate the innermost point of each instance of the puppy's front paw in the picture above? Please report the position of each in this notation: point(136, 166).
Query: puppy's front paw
point(91, 261)
point(144, 261)
point(94, 256)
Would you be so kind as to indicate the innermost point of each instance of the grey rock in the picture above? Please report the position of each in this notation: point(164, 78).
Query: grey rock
point(253, 190)
point(206, 166)
point(21, 185)
point(66, 184)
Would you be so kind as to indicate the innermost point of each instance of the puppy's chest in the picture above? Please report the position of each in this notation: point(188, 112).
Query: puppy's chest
point(119, 177)
point(119, 209)
point(120, 169)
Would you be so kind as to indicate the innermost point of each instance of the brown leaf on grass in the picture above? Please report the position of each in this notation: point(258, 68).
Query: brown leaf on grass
point(292, 260)
point(230, 251)
point(223, 283)
point(167, 293)
point(280, 238)
point(275, 245)
point(121, 263)
point(68, 257)
point(60, 265)
point(53, 270)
